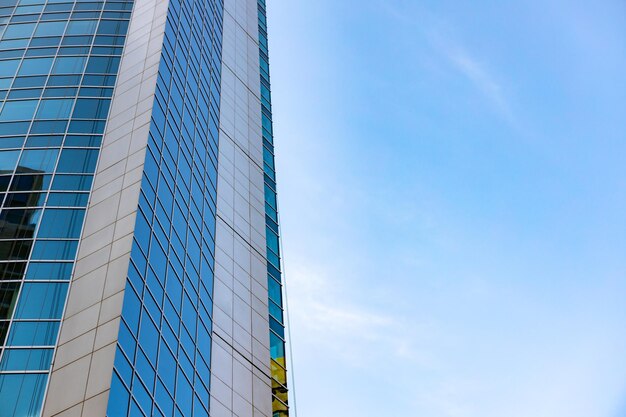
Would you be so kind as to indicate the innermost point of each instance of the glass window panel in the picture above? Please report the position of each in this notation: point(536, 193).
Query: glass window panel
point(41, 52)
point(18, 223)
point(48, 126)
point(118, 398)
point(25, 200)
point(15, 250)
point(8, 160)
point(35, 66)
point(45, 41)
point(61, 271)
point(18, 110)
point(82, 27)
point(87, 108)
point(38, 160)
point(8, 296)
point(77, 40)
point(55, 16)
point(60, 92)
point(68, 200)
point(50, 29)
point(69, 65)
point(103, 65)
point(55, 109)
point(12, 270)
point(61, 223)
point(63, 250)
point(84, 140)
point(33, 333)
point(112, 27)
point(4, 327)
point(22, 82)
point(26, 359)
point(44, 141)
point(24, 30)
point(22, 394)
point(72, 182)
point(64, 80)
point(86, 126)
point(78, 160)
point(15, 43)
point(41, 301)
point(9, 68)
point(31, 182)
point(28, 93)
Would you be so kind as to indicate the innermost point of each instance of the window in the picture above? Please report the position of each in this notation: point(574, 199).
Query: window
point(33, 333)
point(22, 394)
point(55, 109)
point(8, 159)
point(24, 30)
point(63, 250)
point(69, 65)
point(87, 108)
point(41, 160)
point(9, 67)
point(35, 66)
point(78, 160)
point(82, 27)
point(50, 29)
point(18, 110)
point(41, 301)
point(26, 359)
point(61, 223)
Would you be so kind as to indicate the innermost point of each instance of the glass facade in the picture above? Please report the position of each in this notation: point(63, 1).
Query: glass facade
point(164, 348)
point(58, 65)
point(278, 365)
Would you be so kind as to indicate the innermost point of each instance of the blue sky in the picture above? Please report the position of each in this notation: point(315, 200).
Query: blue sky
point(452, 182)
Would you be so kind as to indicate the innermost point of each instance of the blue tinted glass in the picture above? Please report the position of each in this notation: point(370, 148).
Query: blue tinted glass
point(103, 65)
point(82, 27)
point(23, 30)
point(112, 27)
point(50, 29)
point(40, 160)
point(26, 359)
point(8, 160)
point(18, 110)
point(120, 396)
point(69, 65)
point(49, 270)
point(33, 333)
point(68, 200)
point(21, 394)
point(78, 160)
point(55, 109)
point(61, 223)
point(36, 66)
point(53, 249)
point(72, 182)
point(9, 68)
point(91, 109)
point(41, 300)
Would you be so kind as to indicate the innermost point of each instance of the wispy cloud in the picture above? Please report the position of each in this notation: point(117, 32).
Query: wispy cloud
point(333, 318)
point(476, 71)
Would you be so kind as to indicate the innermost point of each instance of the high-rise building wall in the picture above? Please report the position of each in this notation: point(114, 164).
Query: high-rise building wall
point(139, 258)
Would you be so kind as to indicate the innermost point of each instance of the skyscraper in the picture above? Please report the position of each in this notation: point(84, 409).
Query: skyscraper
point(139, 252)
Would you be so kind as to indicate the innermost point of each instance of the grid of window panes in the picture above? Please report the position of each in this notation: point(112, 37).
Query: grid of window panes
point(58, 64)
point(277, 325)
point(163, 354)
